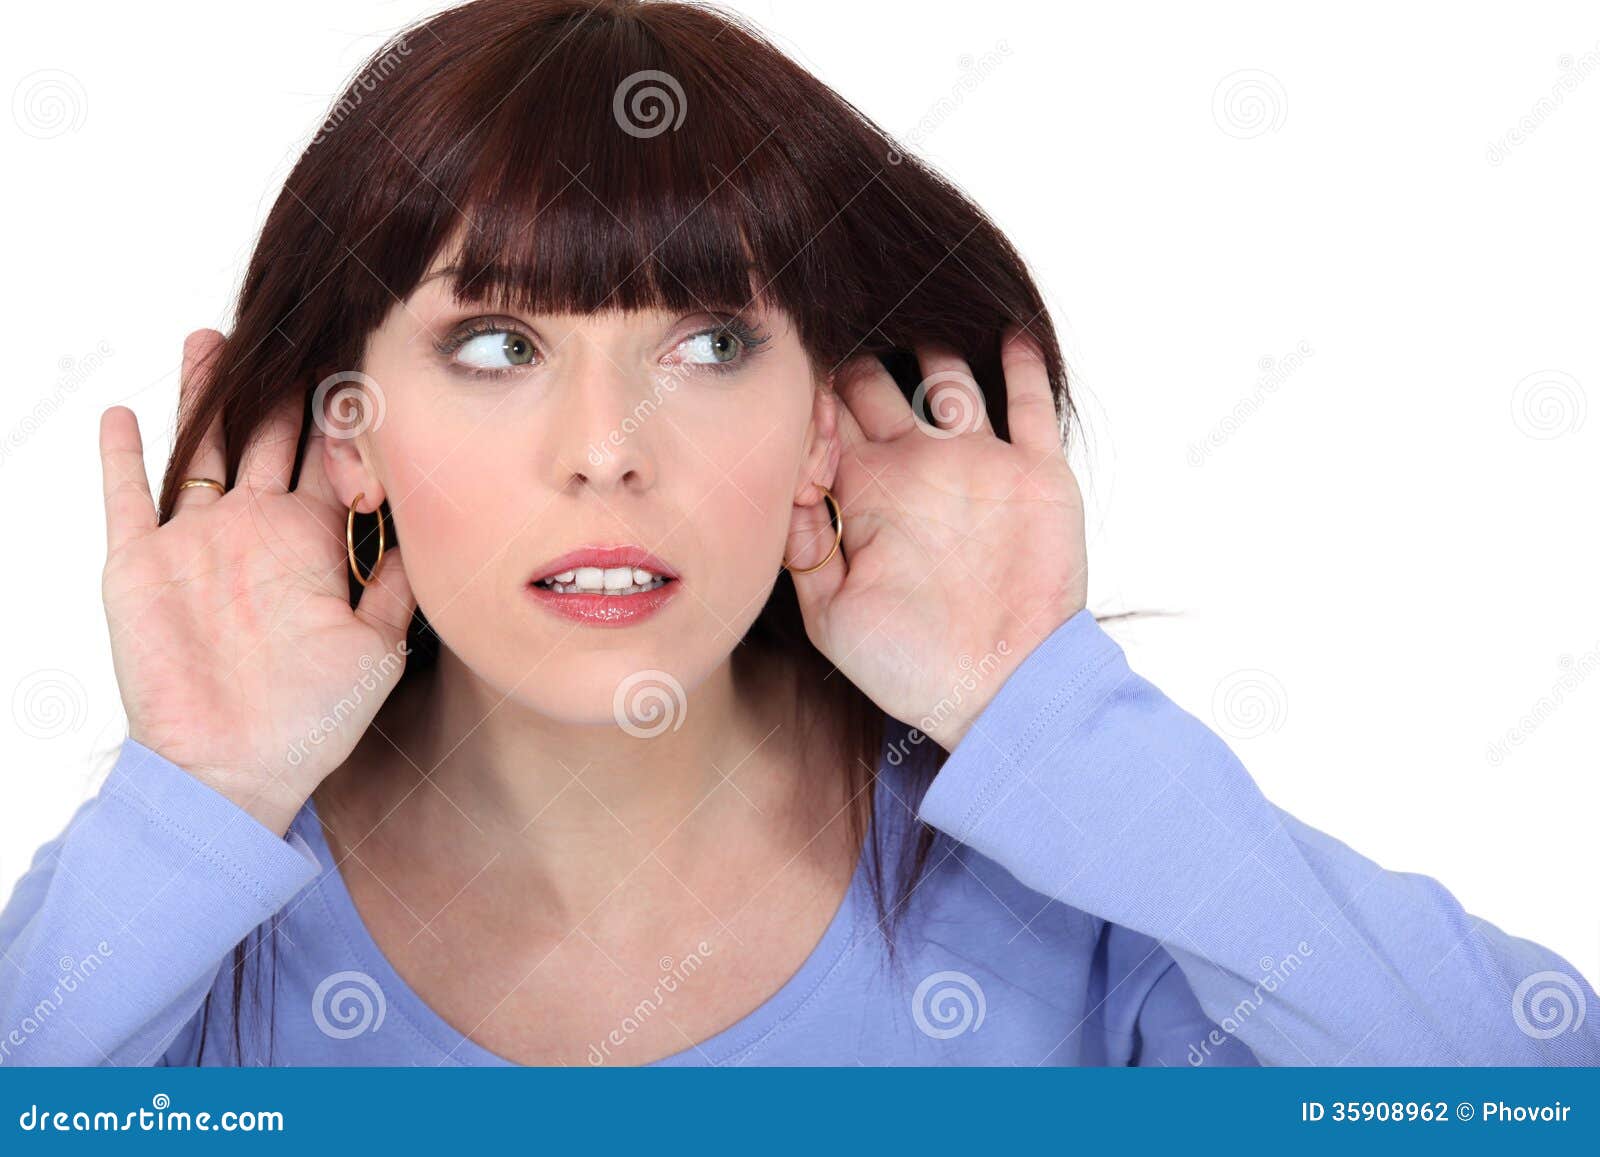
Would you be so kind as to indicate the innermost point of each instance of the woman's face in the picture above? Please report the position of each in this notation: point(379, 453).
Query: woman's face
point(503, 442)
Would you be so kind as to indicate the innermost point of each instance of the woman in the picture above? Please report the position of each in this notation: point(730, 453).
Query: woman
point(709, 678)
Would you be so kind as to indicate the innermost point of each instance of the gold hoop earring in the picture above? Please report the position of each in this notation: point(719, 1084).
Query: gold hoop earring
point(350, 541)
point(838, 533)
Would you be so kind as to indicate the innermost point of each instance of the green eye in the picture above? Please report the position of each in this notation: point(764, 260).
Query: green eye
point(717, 347)
point(497, 350)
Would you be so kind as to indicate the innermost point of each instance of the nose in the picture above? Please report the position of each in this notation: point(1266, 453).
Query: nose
point(599, 430)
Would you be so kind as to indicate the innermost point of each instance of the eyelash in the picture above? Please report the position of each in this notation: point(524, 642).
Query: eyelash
point(751, 339)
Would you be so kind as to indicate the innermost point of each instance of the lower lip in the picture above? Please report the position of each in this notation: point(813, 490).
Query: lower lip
point(600, 610)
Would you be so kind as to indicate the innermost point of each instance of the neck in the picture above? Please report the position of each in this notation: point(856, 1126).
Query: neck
point(458, 772)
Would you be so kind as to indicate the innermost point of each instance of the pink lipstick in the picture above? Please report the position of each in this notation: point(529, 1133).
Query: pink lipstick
point(604, 586)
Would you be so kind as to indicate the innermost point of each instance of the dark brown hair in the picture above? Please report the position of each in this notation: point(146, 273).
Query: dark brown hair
point(612, 154)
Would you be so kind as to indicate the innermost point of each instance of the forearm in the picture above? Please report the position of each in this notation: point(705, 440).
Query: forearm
point(1093, 787)
point(115, 934)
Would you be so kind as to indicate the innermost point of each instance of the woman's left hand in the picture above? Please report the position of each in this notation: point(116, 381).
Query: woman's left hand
point(961, 551)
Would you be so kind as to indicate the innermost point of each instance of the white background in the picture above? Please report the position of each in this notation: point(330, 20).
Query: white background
point(1379, 572)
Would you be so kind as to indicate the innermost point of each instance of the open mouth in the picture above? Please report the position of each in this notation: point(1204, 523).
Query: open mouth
point(610, 582)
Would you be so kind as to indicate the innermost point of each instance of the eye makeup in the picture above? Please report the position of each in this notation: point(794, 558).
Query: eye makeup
point(748, 338)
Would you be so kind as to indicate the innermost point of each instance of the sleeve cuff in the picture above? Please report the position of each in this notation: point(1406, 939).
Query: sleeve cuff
point(1056, 687)
point(259, 864)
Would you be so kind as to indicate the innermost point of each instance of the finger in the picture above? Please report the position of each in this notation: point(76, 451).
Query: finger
point(949, 397)
point(200, 351)
point(811, 535)
point(269, 457)
point(387, 602)
point(1030, 404)
point(130, 511)
point(880, 409)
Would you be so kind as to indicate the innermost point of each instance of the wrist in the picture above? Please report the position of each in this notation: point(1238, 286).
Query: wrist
point(271, 802)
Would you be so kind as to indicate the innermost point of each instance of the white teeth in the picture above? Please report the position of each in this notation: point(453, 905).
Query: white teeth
point(613, 580)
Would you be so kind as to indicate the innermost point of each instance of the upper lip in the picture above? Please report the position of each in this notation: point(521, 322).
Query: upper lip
point(603, 557)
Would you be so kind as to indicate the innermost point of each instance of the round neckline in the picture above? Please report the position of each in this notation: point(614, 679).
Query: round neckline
point(837, 938)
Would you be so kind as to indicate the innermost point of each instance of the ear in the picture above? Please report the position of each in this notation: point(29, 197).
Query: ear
point(820, 461)
point(342, 413)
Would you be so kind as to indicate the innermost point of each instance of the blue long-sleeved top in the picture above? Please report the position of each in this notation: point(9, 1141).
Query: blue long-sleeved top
point(1110, 888)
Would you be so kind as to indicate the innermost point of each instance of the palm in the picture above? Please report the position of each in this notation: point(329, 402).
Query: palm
point(963, 551)
point(233, 639)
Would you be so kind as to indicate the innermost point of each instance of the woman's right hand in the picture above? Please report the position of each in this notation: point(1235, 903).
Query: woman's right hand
point(235, 648)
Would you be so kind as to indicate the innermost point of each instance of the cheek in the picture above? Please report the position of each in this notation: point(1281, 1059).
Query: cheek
point(748, 495)
point(452, 511)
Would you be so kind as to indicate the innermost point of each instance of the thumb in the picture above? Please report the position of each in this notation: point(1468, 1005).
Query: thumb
point(387, 602)
point(811, 538)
